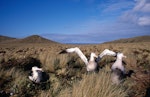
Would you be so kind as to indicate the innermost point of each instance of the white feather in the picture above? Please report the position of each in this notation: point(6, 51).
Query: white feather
point(106, 52)
point(79, 52)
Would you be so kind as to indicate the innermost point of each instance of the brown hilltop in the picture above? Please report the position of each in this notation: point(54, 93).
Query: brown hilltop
point(35, 39)
point(30, 39)
point(132, 40)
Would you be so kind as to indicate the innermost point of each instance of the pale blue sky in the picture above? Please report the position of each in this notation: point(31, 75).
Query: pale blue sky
point(75, 21)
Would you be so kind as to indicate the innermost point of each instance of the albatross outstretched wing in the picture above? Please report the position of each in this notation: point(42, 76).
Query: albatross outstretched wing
point(78, 51)
point(106, 52)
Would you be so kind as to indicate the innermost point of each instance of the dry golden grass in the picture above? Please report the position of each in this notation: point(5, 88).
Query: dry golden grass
point(96, 85)
point(68, 73)
point(45, 94)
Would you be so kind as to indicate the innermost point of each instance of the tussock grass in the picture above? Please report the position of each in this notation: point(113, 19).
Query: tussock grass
point(20, 83)
point(15, 80)
point(96, 85)
point(67, 72)
point(45, 94)
point(7, 73)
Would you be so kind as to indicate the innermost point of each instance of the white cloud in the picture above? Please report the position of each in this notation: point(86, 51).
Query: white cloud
point(146, 8)
point(142, 5)
point(118, 6)
point(139, 14)
point(144, 21)
point(102, 29)
point(100, 33)
point(139, 5)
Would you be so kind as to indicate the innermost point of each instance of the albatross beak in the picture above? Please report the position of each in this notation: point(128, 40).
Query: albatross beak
point(96, 56)
point(125, 56)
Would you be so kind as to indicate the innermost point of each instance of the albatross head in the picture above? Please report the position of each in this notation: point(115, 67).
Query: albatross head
point(94, 55)
point(121, 55)
point(36, 68)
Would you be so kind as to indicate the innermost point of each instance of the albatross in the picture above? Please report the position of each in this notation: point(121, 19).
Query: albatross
point(91, 65)
point(38, 75)
point(118, 70)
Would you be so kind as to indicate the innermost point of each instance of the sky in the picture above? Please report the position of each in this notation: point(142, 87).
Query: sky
point(75, 21)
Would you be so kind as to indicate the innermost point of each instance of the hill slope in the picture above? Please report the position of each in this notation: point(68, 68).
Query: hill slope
point(30, 39)
point(35, 39)
point(5, 38)
point(132, 40)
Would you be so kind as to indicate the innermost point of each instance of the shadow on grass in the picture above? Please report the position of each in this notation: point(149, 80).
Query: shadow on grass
point(25, 64)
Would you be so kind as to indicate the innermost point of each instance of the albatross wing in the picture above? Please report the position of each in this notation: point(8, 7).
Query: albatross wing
point(106, 52)
point(78, 51)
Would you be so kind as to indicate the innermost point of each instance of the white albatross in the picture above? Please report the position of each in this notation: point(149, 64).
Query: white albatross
point(91, 65)
point(38, 75)
point(118, 70)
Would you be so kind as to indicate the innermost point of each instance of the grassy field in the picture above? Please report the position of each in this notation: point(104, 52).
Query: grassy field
point(68, 76)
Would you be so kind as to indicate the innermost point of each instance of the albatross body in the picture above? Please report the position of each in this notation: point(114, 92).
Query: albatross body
point(38, 75)
point(118, 70)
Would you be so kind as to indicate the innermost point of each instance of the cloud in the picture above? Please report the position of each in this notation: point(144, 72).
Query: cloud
point(142, 5)
point(102, 33)
point(144, 21)
point(73, 38)
point(134, 20)
point(139, 14)
point(119, 5)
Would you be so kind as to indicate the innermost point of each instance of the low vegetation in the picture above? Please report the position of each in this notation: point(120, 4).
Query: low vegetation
point(68, 76)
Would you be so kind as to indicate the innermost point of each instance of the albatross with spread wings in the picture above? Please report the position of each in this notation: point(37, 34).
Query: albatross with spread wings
point(91, 65)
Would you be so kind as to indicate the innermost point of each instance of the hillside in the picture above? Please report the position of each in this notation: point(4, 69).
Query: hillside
point(5, 38)
point(35, 39)
point(132, 40)
point(30, 39)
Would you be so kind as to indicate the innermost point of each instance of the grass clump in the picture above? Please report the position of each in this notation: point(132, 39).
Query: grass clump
point(96, 85)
